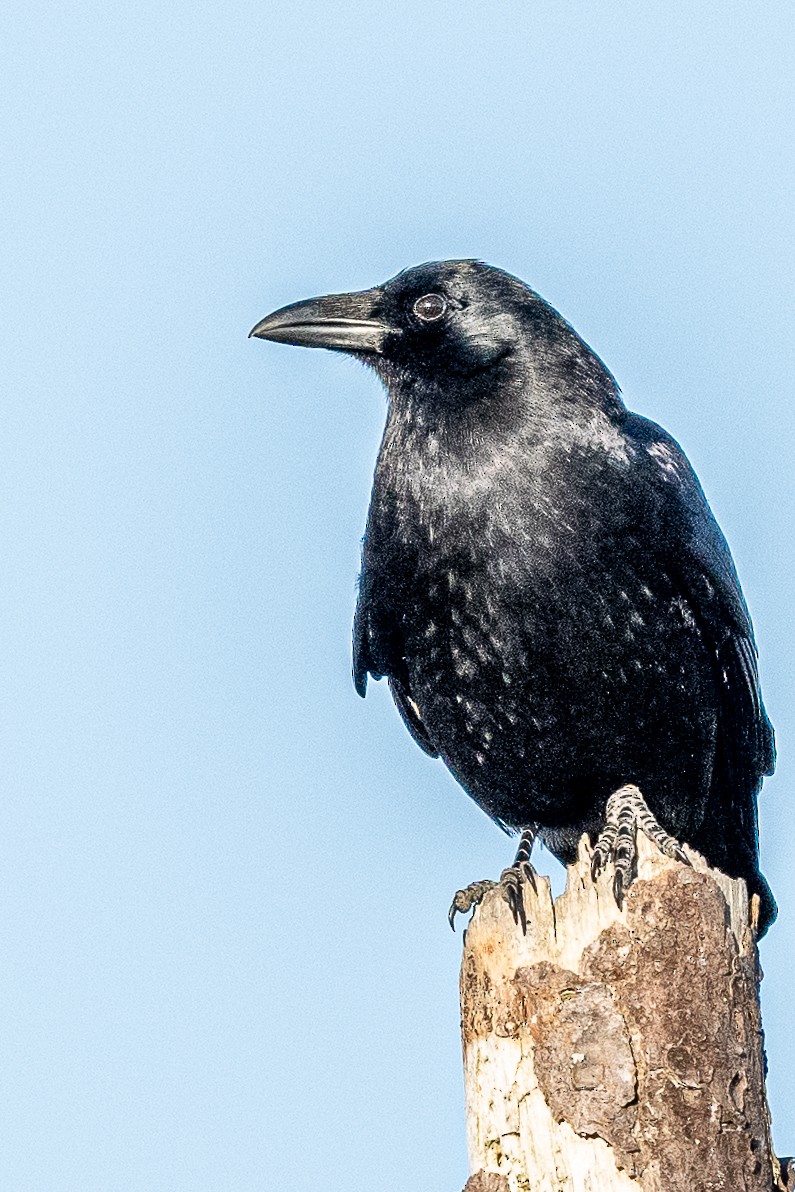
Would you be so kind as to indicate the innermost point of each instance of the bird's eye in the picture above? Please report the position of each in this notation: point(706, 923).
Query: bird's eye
point(430, 307)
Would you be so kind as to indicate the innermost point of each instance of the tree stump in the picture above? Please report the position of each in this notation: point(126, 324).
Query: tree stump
point(611, 1050)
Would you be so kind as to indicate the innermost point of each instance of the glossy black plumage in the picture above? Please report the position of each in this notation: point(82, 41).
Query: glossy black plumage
point(543, 582)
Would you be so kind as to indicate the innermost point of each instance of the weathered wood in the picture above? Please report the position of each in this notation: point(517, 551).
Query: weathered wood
point(612, 1050)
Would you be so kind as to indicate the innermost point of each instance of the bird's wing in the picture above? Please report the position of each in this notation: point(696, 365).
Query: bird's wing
point(378, 651)
point(698, 557)
point(693, 551)
point(407, 706)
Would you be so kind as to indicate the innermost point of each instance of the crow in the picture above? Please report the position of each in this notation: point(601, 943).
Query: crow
point(543, 583)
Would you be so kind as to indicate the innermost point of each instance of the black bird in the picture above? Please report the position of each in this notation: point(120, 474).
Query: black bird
point(543, 582)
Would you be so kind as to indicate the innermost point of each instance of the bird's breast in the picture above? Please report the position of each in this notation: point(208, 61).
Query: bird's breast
point(536, 622)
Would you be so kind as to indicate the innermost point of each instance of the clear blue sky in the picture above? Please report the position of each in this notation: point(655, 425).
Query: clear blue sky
point(226, 965)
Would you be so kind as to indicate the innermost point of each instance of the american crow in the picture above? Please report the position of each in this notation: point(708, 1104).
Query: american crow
point(543, 582)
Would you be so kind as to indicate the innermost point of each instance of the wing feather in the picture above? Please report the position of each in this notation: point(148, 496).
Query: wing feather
point(705, 572)
point(378, 651)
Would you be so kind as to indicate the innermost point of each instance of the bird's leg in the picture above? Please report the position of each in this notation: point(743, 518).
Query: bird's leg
point(511, 883)
point(626, 811)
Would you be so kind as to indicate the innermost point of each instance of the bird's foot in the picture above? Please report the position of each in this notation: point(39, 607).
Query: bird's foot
point(511, 886)
point(511, 883)
point(626, 811)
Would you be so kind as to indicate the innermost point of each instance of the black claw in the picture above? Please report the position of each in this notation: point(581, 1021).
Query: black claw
point(529, 875)
point(618, 889)
point(462, 902)
point(516, 904)
point(511, 883)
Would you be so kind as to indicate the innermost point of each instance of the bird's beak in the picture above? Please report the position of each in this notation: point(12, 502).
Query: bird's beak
point(343, 322)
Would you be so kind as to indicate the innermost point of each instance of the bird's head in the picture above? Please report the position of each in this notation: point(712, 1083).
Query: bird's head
point(451, 327)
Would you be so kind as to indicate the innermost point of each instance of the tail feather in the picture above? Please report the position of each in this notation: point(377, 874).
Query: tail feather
point(729, 834)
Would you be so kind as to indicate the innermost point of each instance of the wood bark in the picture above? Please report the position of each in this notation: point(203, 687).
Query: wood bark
point(612, 1050)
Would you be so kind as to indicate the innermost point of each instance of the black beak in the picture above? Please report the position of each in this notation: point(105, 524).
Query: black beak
point(343, 322)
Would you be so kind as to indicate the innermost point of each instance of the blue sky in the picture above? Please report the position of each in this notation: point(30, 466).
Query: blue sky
point(226, 961)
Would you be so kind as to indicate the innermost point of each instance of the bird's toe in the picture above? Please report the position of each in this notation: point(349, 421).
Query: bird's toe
point(512, 884)
point(467, 898)
point(626, 813)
